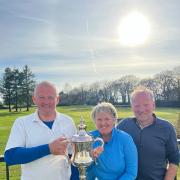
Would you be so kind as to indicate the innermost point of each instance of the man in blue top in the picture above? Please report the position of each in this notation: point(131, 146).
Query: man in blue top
point(38, 142)
point(155, 138)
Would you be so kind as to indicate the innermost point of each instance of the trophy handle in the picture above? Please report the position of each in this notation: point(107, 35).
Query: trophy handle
point(102, 144)
point(99, 139)
point(71, 160)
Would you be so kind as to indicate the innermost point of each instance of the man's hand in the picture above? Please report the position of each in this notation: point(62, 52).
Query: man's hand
point(59, 146)
point(171, 172)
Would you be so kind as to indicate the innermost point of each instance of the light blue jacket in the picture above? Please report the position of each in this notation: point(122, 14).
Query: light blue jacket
point(118, 161)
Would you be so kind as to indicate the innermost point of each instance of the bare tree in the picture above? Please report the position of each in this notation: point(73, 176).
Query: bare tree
point(65, 97)
point(152, 84)
point(165, 81)
point(176, 72)
point(115, 99)
point(83, 93)
point(94, 94)
point(119, 84)
point(165, 86)
point(126, 86)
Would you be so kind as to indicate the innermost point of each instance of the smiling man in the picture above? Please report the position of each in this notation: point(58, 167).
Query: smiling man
point(37, 141)
point(155, 138)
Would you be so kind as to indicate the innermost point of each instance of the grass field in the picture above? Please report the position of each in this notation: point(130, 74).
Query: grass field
point(7, 119)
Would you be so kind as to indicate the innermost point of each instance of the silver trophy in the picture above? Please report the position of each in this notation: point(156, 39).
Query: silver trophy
point(82, 144)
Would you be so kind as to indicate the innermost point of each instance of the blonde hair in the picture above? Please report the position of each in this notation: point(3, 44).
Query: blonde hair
point(104, 107)
point(142, 89)
point(45, 84)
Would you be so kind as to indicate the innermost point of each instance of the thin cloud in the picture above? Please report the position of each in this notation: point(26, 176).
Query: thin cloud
point(78, 41)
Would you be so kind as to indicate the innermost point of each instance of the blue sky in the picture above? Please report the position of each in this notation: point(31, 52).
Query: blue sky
point(77, 41)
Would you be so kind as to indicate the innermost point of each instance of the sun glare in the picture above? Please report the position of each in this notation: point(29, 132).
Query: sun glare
point(134, 29)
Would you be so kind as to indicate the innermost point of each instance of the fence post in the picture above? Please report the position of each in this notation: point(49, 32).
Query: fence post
point(7, 167)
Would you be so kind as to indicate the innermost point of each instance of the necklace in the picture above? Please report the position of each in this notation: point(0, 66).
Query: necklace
point(143, 125)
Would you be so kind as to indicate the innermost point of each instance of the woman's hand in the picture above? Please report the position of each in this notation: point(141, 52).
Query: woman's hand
point(97, 151)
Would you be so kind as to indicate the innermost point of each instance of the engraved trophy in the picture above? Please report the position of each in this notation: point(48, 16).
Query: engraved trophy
point(82, 144)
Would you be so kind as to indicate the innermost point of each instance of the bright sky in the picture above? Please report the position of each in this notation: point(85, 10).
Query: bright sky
point(81, 41)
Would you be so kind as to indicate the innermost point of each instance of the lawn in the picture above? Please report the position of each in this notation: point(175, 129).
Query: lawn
point(7, 119)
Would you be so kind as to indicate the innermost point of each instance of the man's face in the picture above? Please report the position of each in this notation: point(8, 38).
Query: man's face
point(46, 99)
point(142, 106)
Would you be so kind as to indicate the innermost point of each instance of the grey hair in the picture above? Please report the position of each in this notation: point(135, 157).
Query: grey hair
point(45, 84)
point(142, 89)
point(104, 107)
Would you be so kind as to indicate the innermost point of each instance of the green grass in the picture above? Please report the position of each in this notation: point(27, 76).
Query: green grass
point(7, 119)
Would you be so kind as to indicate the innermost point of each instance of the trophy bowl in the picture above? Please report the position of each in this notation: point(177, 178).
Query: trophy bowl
point(83, 145)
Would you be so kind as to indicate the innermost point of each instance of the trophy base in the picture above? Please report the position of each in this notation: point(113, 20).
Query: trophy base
point(82, 172)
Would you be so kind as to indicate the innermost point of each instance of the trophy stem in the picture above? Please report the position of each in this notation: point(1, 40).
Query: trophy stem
point(82, 173)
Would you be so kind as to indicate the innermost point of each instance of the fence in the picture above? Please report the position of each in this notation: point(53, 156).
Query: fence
point(7, 167)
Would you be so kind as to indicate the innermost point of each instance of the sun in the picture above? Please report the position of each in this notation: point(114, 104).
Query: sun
point(134, 29)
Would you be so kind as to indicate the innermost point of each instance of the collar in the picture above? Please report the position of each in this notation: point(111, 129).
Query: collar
point(154, 121)
point(96, 133)
point(37, 119)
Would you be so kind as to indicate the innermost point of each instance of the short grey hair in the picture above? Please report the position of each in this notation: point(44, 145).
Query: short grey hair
point(142, 89)
point(104, 107)
point(45, 84)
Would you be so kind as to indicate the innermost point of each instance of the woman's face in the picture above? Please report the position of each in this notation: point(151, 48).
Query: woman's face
point(104, 122)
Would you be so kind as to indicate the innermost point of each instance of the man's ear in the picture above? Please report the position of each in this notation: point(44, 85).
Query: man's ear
point(154, 106)
point(58, 100)
point(33, 99)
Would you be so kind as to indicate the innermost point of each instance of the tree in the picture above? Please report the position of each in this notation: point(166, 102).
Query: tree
point(83, 93)
point(6, 87)
point(165, 82)
point(28, 84)
point(64, 97)
point(119, 84)
point(17, 87)
point(115, 95)
point(126, 85)
point(176, 72)
point(93, 95)
point(152, 84)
